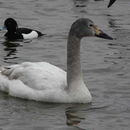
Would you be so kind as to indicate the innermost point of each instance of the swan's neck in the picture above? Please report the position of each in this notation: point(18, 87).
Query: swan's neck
point(74, 72)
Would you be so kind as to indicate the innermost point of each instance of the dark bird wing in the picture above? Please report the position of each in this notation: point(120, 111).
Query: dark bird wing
point(110, 3)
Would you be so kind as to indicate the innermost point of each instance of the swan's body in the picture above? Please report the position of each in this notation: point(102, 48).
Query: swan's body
point(42, 81)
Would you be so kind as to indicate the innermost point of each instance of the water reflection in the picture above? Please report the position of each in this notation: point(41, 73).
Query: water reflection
point(112, 22)
point(80, 3)
point(74, 116)
point(80, 6)
point(10, 49)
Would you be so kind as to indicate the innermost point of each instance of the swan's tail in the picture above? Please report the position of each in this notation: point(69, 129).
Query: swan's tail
point(1, 69)
point(4, 70)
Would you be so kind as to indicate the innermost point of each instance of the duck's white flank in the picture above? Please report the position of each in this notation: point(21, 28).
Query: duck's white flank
point(31, 35)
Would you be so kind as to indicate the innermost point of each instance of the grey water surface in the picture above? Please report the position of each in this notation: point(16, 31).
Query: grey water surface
point(105, 63)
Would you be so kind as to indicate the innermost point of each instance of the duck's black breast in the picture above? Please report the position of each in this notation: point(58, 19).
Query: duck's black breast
point(13, 36)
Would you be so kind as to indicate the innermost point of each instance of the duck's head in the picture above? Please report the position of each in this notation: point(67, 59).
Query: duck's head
point(11, 25)
point(84, 27)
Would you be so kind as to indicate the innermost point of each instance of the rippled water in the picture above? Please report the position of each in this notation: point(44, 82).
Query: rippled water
point(106, 64)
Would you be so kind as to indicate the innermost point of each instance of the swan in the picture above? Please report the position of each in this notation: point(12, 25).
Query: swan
point(15, 33)
point(42, 81)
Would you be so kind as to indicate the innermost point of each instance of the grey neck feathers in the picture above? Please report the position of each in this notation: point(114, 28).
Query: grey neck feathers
point(74, 72)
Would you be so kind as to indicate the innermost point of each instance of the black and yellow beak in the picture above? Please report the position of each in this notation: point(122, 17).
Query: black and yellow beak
point(100, 33)
point(110, 3)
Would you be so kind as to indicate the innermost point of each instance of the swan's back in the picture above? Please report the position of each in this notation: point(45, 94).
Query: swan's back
point(29, 78)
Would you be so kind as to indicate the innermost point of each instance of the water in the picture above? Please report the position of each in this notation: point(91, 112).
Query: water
point(106, 64)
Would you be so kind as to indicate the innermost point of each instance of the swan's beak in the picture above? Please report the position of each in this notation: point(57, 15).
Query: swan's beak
point(100, 33)
point(110, 3)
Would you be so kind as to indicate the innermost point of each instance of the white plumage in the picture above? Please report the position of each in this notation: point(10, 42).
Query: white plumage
point(42, 81)
point(33, 80)
point(31, 35)
point(38, 81)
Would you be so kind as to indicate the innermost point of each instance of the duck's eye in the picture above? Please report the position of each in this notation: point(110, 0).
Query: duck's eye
point(90, 25)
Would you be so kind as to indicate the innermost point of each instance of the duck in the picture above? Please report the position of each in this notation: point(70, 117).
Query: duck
point(42, 81)
point(110, 3)
point(15, 33)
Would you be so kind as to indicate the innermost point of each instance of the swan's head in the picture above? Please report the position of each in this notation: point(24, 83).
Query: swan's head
point(85, 27)
point(10, 24)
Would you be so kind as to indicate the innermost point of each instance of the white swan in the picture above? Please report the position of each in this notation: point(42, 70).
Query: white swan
point(42, 81)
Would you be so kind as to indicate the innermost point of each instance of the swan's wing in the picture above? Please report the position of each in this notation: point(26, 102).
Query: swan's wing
point(38, 76)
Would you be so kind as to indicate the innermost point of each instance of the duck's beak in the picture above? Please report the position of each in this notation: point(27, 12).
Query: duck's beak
point(100, 33)
point(2, 28)
point(110, 3)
